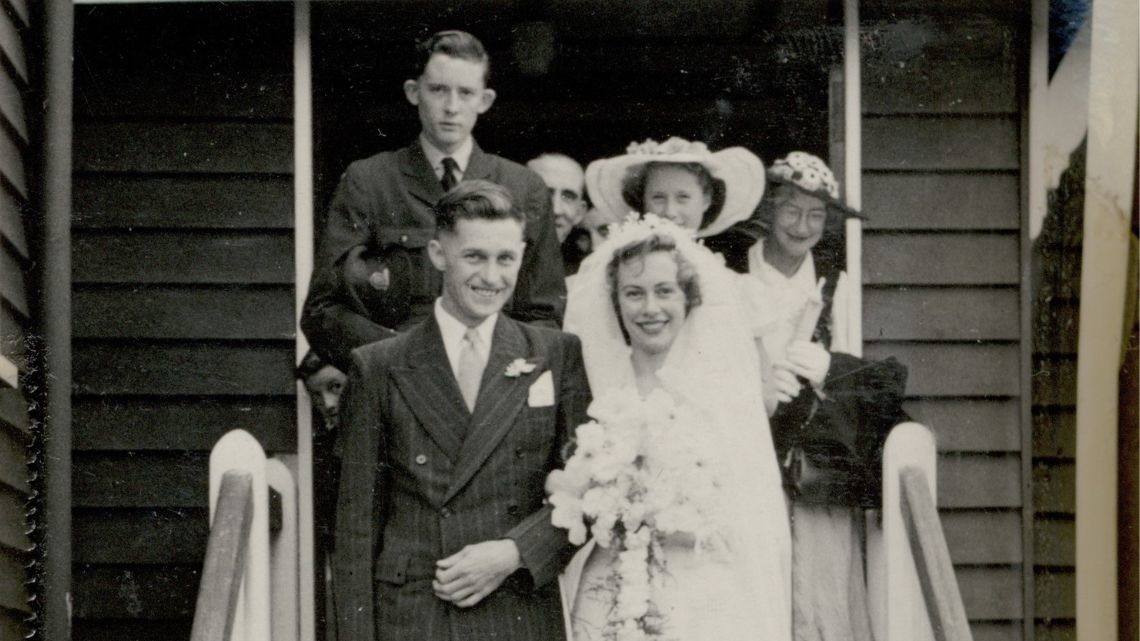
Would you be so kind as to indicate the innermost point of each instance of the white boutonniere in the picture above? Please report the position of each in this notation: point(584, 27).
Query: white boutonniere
point(518, 367)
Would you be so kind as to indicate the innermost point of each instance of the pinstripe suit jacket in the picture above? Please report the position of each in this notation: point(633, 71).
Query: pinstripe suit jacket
point(422, 477)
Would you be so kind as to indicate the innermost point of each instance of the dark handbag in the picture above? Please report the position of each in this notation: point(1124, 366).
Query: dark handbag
point(834, 452)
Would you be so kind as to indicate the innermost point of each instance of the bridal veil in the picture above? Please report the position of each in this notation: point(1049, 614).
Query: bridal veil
point(713, 367)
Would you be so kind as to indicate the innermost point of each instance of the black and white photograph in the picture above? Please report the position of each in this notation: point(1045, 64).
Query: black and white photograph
point(569, 320)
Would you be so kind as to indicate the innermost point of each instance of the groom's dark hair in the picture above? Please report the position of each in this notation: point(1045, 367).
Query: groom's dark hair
point(475, 200)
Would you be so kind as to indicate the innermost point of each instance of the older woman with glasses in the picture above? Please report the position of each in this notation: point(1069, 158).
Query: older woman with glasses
point(835, 409)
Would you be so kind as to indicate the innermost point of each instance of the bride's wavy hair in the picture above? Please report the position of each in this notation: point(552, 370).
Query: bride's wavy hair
point(687, 278)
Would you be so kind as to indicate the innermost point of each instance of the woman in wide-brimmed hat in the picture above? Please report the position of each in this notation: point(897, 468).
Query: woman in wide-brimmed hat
point(682, 181)
point(835, 408)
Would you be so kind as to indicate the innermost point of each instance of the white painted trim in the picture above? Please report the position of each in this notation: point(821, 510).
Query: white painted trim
point(1066, 109)
point(9, 373)
point(283, 554)
point(853, 168)
point(1113, 93)
point(303, 267)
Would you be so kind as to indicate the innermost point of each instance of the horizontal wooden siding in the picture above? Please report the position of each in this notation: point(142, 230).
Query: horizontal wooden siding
point(183, 290)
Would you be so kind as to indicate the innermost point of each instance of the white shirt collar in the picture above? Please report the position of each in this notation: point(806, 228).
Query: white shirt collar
point(804, 278)
point(453, 331)
point(435, 157)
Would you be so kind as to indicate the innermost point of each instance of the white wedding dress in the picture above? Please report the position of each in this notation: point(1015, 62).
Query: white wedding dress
point(703, 596)
point(740, 589)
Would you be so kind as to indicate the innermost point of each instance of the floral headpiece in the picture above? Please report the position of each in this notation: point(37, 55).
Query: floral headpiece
point(673, 145)
point(811, 175)
point(807, 172)
point(635, 228)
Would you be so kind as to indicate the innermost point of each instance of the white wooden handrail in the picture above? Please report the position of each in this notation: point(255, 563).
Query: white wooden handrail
point(250, 587)
point(910, 580)
point(225, 559)
point(238, 451)
point(895, 597)
point(932, 558)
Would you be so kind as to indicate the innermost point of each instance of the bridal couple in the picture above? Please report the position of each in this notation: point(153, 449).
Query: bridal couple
point(455, 431)
point(479, 453)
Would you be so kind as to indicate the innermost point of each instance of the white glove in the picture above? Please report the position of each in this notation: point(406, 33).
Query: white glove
point(781, 386)
point(809, 360)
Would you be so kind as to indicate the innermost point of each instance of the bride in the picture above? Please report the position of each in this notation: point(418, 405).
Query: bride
point(663, 338)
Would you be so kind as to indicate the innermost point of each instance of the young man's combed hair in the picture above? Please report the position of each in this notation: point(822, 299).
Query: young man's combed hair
point(475, 199)
point(454, 43)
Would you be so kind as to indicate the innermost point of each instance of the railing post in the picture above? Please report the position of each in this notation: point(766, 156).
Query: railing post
point(898, 612)
point(283, 552)
point(238, 450)
point(225, 558)
point(932, 558)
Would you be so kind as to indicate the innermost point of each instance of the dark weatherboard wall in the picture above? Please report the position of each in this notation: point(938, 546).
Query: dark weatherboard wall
point(16, 252)
point(943, 89)
point(183, 289)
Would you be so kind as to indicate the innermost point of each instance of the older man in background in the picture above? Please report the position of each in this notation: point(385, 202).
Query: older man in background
point(566, 182)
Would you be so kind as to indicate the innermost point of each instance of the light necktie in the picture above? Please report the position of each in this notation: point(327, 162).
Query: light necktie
point(471, 364)
point(450, 168)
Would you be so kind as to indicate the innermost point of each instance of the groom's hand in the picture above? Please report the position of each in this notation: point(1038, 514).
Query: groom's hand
point(468, 576)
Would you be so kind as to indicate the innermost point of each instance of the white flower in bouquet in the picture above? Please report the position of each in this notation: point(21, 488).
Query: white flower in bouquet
point(643, 469)
point(618, 456)
point(568, 514)
point(589, 439)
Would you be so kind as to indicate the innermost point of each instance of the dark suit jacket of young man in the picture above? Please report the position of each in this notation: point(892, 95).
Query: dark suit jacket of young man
point(385, 201)
point(423, 477)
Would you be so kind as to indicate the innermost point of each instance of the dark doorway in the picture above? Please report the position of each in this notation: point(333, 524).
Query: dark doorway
point(583, 77)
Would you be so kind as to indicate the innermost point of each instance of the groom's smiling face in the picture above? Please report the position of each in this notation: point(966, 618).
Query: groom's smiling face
point(480, 261)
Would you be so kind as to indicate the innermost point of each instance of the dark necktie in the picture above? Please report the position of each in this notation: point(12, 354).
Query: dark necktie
point(450, 167)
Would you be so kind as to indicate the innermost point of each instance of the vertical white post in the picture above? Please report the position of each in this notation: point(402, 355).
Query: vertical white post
point(283, 551)
point(853, 168)
point(1104, 269)
point(303, 267)
point(239, 450)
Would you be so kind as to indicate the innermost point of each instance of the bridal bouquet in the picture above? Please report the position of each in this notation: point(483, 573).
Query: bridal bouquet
point(641, 471)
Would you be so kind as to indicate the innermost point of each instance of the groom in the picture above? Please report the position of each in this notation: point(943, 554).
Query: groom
point(449, 432)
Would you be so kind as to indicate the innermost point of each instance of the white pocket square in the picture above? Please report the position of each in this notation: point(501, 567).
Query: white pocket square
point(541, 392)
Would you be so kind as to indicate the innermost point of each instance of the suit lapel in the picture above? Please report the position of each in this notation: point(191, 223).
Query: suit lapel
point(420, 178)
point(430, 390)
point(501, 397)
point(478, 165)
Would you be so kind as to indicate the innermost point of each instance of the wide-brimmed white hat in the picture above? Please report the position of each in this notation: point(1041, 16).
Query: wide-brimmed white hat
point(739, 169)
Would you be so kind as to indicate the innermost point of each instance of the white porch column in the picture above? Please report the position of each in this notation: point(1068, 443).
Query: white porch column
point(1104, 270)
point(303, 267)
